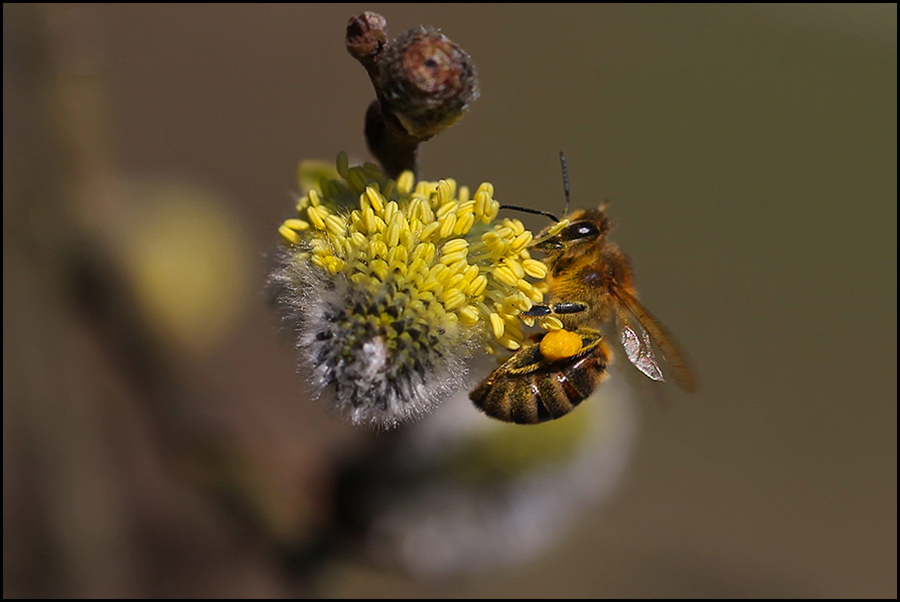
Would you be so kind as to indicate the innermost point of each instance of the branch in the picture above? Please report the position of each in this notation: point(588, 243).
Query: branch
point(423, 84)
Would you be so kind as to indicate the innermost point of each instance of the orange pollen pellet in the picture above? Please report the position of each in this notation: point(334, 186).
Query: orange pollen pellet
point(560, 344)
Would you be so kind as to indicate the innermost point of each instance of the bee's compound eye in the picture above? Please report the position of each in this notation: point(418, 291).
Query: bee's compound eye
point(560, 344)
point(580, 230)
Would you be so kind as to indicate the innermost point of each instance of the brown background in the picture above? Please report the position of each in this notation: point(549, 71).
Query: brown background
point(750, 157)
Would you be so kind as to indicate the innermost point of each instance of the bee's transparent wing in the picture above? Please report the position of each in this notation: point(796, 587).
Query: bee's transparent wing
point(640, 331)
point(639, 350)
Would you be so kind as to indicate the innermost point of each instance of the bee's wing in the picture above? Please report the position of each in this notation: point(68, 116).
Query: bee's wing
point(639, 331)
point(639, 349)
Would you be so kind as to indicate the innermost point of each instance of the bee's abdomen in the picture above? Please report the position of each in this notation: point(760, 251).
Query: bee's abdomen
point(545, 394)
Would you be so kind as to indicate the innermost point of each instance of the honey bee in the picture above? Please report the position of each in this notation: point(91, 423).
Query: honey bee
point(590, 283)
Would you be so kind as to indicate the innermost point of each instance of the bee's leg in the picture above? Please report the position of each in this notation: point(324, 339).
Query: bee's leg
point(569, 307)
point(537, 311)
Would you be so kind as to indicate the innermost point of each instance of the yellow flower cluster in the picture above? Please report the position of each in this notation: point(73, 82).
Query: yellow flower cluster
point(442, 246)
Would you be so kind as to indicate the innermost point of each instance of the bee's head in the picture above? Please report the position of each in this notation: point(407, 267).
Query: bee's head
point(584, 227)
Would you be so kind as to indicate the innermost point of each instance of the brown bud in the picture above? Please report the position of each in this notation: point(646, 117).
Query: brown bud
point(423, 84)
point(427, 81)
point(366, 36)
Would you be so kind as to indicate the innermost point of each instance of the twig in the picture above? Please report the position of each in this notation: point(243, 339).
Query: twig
point(423, 84)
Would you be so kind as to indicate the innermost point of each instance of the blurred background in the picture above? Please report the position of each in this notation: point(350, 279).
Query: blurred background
point(157, 440)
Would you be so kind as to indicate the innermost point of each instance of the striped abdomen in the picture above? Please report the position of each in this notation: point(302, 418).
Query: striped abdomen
point(528, 389)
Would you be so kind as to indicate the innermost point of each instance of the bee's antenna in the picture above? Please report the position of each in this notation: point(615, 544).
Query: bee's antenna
point(562, 160)
point(534, 211)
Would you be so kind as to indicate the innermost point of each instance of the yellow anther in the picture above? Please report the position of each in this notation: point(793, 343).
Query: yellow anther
point(499, 249)
point(335, 225)
point(471, 272)
point(535, 268)
point(426, 189)
point(425, 252)
point(457, 244)
point(430, 230)
point(504, 275)
point(406, 182)
point(316, 216)
point(491, 211)
point(518, 301)
point(337, 243)
point(506, 232)
point(343, 164)
point(455, 280)
point(521, 241)
point(296, 224)
point(524, 286)
point(490, 238)
point(444, 191)
point(453, 298)
point(447, 225)
point(486, 187)
point(429, 284)
point(377, 249)
point(358, 240)
point(416, 209)
point(497, 325)
point(368, 216)
point(437, 272)
point(397, 254)
point(464, 224)
point(551, 323)
point(477, 286)
point(390, 210)
point(390, 190)
point(289, 235)
point(452, 258)
point(444, 209)
point(468, 315)
point(459, 266)
point(372, 171)
point(356, 179)
point(375, 198)
point(516, 268)
point(417, 270)
point(392, 235)
point(509, 343)
point(534, 295)
point(379, 268)
point(480, 204)
point(463, 208)
point(334, 264)
point(513, 330)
